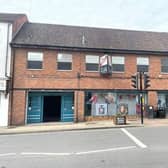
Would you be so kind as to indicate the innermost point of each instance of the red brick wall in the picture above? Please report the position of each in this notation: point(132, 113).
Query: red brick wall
point(51, 78)
point(79, 106)
point(152, 98)
point(19, 105)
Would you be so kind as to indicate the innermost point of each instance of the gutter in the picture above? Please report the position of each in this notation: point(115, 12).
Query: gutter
point(102, 50)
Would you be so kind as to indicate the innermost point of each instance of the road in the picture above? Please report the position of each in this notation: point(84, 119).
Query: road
point(143, 147)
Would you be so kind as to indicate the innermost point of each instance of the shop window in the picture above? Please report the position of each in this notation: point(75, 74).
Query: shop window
point(92, 62)
point(34, 60)
point(128, 101)
point(88, 105)
point(64, 61)
point(166, 101)
point(110, 103)
point(142, 64)
point(118, 64)
point(162, 100)
point(164, 65)
point(100, 104)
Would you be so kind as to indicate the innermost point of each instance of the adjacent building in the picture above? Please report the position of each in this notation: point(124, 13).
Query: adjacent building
point(57, 75)
point(10, 24)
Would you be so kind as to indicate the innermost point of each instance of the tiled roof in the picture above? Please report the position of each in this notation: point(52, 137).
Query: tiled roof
point(48, 35)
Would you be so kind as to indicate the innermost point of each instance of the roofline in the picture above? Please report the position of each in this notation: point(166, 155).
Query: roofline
point(19, 29)
point(102, 50)
point(101, 28)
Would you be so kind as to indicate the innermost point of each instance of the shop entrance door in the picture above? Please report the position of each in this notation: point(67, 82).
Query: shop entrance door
point(34, 112)
point(67, 111)
point(52, 108)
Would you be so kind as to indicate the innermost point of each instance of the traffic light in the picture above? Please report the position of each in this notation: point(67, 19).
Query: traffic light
point(134, 80)
point(146, 81)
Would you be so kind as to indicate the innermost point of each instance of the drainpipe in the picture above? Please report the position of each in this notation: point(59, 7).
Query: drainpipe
point(12, 81)
point(78, 85)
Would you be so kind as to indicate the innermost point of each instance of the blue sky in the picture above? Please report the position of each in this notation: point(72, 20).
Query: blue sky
point(150, 15)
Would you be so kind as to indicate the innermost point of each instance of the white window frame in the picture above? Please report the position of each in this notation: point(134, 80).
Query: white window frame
point(67, 59)
point(144, 61)
point(161, 65)
point(35, 56)
point(92, 59)
point(118, 60)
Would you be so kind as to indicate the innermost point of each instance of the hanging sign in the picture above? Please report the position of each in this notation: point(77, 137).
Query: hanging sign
point(105, 64)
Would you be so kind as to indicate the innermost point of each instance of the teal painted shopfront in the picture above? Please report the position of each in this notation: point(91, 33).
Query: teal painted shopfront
point(50, 107)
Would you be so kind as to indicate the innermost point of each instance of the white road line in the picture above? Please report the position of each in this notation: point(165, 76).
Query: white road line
point(76, 153)
point(47, 154)
point(105, 150)
point(133, 138)
point(7, 154)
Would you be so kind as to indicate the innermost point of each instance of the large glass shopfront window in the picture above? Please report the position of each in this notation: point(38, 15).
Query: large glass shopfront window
point(162, 100)
point(109, 103)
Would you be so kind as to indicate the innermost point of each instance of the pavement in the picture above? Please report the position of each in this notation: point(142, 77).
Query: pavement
point(64, 126)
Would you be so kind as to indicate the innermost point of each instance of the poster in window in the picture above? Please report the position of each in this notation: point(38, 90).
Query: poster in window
point(101, 109)
point(123, 109)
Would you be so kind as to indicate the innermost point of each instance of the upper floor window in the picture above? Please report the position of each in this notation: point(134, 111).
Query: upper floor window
point(118, 64)
point(64, 61)
point(34, 60)
point(142, 64)
point(92, 63)
point(164, 65)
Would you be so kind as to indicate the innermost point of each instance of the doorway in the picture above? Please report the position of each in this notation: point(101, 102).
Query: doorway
point(52, 108)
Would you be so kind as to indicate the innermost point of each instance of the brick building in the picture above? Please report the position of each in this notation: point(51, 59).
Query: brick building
point(57, 78)
point(10, 24)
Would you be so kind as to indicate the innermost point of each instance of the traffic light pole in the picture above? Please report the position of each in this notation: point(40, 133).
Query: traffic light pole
point(141, 96)
point(140, 81)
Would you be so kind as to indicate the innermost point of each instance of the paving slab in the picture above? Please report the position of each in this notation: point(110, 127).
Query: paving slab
point(51, 127)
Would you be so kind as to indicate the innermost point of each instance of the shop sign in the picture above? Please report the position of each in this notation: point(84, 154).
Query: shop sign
point(105, 64)
point(120, 120)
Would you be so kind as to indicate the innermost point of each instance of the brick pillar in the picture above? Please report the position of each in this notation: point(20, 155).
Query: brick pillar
point(18, 108)
point(152, 98)
point(79, 106)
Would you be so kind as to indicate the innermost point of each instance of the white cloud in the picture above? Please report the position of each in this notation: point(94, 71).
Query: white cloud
point(125, 14)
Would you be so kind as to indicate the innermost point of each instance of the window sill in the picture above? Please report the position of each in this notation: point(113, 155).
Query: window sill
point(164, 73)
point(92, 71)
point(118, 72)
point(64, 70)
point(35, 69)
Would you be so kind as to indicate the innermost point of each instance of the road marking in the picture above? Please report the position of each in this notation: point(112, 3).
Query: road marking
point(133, 138)
point(77, 153)
point(7, 154)
point(105, 150)
point(47, 154)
